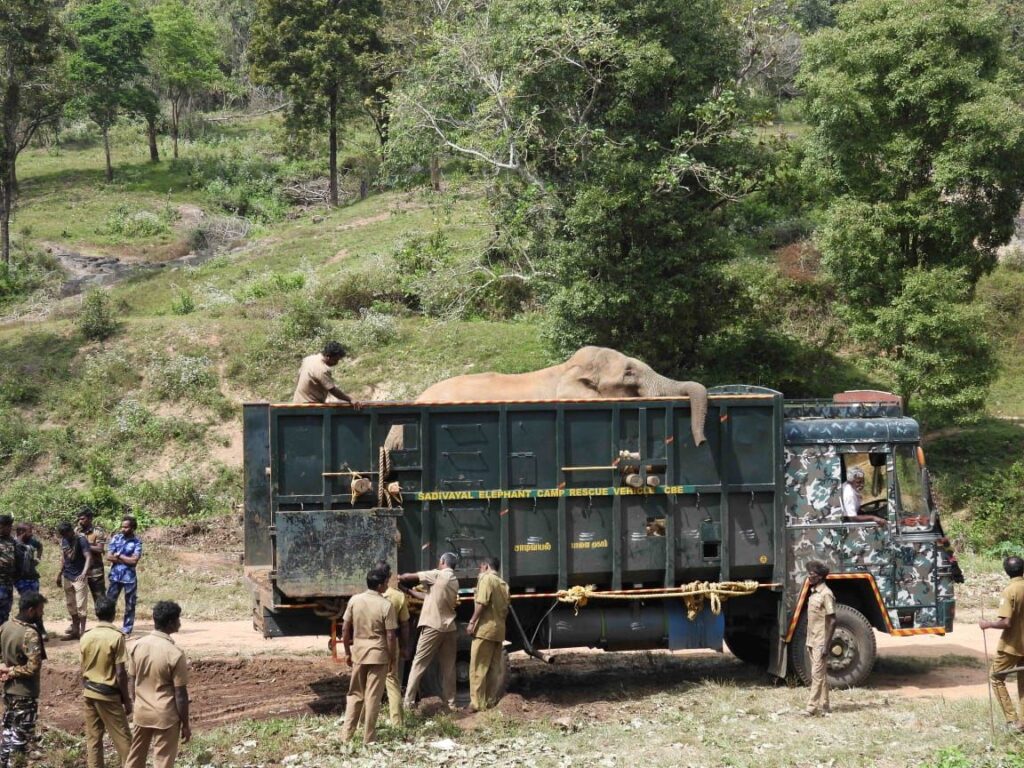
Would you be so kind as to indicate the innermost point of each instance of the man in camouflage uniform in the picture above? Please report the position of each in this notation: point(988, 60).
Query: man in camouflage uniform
point(821, 623)
point(1010, 651)
point(487, 626)
point(97, 539)
point(21, 653)
point(8, 566)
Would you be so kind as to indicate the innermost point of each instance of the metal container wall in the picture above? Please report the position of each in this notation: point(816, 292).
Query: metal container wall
point(539, 485)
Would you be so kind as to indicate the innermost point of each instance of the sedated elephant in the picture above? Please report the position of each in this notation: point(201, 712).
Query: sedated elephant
point(591, 372)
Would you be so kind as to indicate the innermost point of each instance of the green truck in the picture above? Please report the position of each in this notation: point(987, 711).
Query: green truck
point(614, 530)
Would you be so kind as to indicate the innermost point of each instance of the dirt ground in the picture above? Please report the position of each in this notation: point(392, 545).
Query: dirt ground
point(237, 675)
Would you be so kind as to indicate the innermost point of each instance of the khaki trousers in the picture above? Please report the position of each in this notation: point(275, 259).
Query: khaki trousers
point(1000, 668)
point(432, 645)
point(393, 683)
point(484, 673)
point(76, 596)
point(164, 742)
point(105, 717)
point(365, 693)
point(818, 700)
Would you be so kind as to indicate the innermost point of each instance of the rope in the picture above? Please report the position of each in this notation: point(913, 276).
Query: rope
point(694, 595)
point(383, 469)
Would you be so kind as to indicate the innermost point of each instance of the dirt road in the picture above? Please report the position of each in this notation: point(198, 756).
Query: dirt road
point(238, 675)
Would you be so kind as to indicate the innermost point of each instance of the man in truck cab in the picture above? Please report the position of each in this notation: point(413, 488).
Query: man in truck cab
point(851, 498)
point(1010, 651)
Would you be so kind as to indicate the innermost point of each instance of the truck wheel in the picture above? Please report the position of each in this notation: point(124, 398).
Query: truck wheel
point(748, 648)
point(851, 655)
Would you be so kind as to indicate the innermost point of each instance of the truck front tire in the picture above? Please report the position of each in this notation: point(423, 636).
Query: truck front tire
point(851, 655)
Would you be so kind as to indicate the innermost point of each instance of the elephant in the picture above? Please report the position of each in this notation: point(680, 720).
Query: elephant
point(590, 373)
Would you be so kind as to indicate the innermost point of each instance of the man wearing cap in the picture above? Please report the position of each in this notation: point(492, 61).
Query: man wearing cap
point(315, 379)
point(437, 628)
point(1010, 651)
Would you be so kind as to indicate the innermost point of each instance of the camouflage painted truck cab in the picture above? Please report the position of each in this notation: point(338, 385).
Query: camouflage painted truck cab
point(613, 529)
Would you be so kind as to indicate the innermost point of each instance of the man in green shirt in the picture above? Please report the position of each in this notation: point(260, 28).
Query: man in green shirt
point(107, 702)
point(22, 661)
point(1010, 651)
point(487, 626)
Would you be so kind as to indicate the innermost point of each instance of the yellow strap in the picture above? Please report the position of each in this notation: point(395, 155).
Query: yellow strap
point(693, 595)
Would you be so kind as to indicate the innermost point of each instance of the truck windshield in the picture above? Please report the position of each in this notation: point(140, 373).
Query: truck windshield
point(914, 514)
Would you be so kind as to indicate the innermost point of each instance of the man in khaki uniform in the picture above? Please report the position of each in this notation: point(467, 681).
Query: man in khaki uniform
point(821, 623)
point(315, 380)
point(369, 628)
point(1010, 651)
point(158, 681)
point(396, 670)
point(437, 628)
point(107, 702)
point(487, 627)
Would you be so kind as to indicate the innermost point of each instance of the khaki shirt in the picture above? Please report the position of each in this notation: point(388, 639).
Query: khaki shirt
point(401, 603)
point(315, 380)
point(1012, 607)
point(371, 616)
point(158, 666)
point(103, 648)
point(96, 537)
point(438, 611)
point(492, 592)
point(821, 603)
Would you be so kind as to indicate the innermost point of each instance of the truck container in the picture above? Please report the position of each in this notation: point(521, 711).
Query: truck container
point(613, 529)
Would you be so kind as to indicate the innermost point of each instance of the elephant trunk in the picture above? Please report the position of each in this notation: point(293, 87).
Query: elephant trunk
point(662, 386)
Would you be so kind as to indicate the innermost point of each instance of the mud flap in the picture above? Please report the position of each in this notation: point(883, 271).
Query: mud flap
point(778, 657)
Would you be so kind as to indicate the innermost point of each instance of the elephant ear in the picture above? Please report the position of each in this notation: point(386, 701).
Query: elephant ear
point(577, 383)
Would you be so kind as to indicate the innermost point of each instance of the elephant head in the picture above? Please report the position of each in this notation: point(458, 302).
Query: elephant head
point(601, 372)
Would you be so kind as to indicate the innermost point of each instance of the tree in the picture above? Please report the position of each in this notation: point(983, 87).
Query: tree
point(315, 51)
point(920, 142)
point(184, 57)
point(112, 36)
point(614, 148)
point(31, 92)
point(935, 351)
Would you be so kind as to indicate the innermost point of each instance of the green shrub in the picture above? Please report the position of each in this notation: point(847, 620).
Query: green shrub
point(304, 321)
point(19, 443)
point(126, 222)
point(28, 271)
point(346, 294)
point(269, 285)
point(374, 329)
point(183, 303)
point(182, 377)
point(181, 495)
point(40, 501)
point(97, 320)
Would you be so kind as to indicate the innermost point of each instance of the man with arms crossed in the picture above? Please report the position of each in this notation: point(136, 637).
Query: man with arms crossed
point(158, 681)
point(437, 628)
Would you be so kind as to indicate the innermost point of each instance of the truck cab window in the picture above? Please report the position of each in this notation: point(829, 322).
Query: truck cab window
point(914, 511)
point(874, 496)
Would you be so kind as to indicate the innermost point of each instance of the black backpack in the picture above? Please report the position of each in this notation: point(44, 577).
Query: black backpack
point(24, 562)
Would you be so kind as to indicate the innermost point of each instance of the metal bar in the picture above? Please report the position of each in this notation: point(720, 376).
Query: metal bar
point(427, 556)
point(406, 404)
point(563, 523)
point(617, 527)
point(350, 472)
point(527, 645)
point(504, 521)
point(588, 469)
point(725, 519)
point(671, 507)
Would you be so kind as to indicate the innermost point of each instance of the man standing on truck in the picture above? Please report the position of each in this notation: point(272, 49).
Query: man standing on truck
point(1010, 651)
point(315, 380)
point(851, 495)
point(490, 607)
point(437, 628)
point(821, 623)
point(370, 628)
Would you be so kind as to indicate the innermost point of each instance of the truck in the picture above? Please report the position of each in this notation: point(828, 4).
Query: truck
point(614, 530)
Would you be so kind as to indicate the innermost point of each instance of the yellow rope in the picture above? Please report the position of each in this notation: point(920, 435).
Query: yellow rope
point(693, 595)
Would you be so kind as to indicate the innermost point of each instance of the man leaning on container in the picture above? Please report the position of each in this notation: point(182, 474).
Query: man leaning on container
point(315, 381)
point(438, 636)
point(1010, 651)
point(821, 623)
point(369, 634)
point(490, 608)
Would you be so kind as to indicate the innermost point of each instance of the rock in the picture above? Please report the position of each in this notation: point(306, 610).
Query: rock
point(443, 745)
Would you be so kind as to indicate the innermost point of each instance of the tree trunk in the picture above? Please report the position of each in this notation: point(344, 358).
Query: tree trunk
point(5, 222)
point(154, 151)
point(106, 151)
point(333, 130)
point(435, 173)
point(174, 127)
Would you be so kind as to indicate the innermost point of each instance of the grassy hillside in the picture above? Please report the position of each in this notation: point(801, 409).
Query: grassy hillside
point(150, 416)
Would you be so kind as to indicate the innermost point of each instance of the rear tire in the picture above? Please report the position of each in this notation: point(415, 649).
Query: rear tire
point(851, 655)
point(748, 648)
